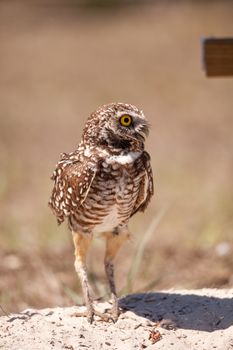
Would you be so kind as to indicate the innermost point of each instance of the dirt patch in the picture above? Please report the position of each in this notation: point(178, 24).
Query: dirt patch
point(195, 319)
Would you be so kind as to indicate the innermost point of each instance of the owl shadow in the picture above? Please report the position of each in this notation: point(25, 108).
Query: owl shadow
point(186, 311)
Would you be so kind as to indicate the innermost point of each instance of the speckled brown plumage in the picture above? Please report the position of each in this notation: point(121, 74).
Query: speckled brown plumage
point(108, 178)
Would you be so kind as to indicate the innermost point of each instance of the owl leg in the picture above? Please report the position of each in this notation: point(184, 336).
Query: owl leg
point(82, 243)
point(113, 244)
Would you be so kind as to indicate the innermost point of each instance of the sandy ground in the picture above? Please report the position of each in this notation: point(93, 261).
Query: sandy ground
point(174, 319)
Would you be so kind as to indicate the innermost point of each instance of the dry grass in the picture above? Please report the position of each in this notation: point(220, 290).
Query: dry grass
point(56, 67)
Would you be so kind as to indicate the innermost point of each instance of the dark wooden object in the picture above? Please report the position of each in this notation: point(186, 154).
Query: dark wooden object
point(218, 57)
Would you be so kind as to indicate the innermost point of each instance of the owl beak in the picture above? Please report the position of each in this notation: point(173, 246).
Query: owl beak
point(142, 131)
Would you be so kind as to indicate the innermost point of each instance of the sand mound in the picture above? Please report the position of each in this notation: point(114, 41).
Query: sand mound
point(181, 319)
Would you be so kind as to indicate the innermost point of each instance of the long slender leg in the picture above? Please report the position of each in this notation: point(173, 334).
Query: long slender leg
point(81, 244)
point(113, 244)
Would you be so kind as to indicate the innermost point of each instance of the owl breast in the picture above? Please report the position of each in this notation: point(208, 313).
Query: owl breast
point(112, 196)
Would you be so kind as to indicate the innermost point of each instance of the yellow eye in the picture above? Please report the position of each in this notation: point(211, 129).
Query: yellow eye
point(126, 120)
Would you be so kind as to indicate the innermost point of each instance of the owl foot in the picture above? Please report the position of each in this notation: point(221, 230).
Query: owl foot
point(89, 314)
point(114, 312)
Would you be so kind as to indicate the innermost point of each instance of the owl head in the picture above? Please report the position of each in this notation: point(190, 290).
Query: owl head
point(118, 126)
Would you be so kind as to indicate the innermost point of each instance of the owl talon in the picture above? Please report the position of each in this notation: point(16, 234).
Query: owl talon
point(115, 313)
point(105, 317)
point(89, 315)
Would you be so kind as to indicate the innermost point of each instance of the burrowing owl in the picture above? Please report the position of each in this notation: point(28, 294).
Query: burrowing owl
point(100, 185)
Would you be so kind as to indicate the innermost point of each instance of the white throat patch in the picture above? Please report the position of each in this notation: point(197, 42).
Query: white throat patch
point(123, 159)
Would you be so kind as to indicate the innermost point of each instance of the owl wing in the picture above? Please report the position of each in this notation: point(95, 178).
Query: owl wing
point(146, 186)
point(72, 180)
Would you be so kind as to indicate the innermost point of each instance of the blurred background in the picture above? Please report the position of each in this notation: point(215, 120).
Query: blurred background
point(59, 60)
